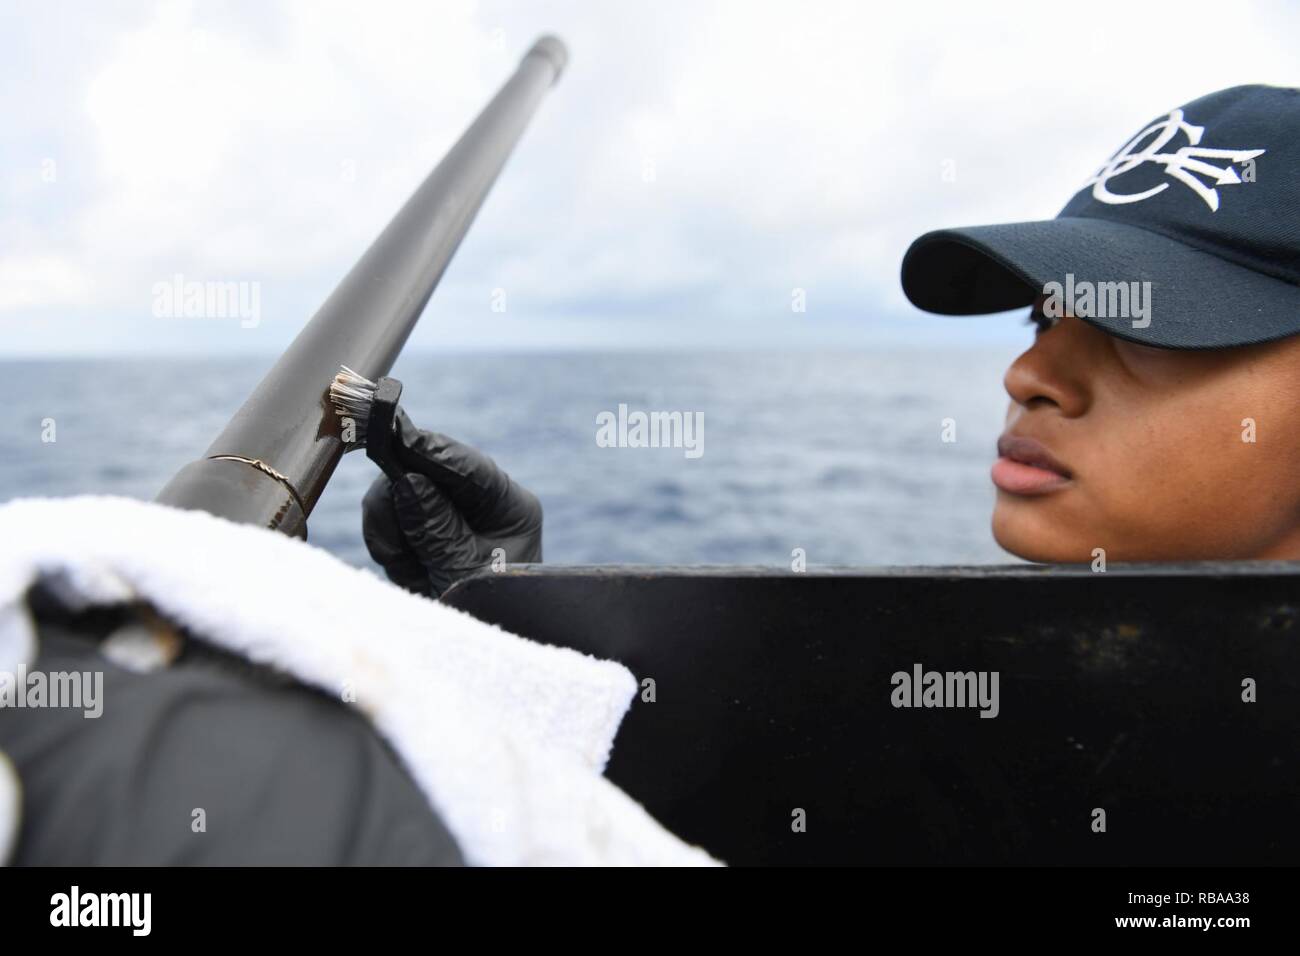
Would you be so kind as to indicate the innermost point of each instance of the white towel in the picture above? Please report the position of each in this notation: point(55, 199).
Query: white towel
point(507, 738)
point(10, 808)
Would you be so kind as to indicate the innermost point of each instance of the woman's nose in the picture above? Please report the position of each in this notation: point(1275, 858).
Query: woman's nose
point(1057, 369)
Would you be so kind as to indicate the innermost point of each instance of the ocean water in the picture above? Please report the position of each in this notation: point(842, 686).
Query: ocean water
point(839, 454)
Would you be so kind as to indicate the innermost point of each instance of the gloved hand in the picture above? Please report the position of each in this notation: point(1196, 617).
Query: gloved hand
point(443, 521)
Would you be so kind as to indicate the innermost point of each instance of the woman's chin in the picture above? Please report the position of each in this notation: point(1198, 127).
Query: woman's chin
point(1026, 531)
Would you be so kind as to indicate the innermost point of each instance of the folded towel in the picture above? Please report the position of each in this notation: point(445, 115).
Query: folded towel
point(10, 804)
point(15, 656)
point(507, 738)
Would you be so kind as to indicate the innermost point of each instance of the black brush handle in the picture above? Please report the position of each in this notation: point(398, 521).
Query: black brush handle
point(381, 445)
point(384, 445)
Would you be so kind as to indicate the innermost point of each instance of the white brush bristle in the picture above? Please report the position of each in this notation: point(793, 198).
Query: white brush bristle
point(352, 394)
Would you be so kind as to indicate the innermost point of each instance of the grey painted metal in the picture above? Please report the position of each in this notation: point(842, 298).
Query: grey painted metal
point(272, 461)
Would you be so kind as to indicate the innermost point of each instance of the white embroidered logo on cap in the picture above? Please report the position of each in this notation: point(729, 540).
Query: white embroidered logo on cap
point(1184, 165)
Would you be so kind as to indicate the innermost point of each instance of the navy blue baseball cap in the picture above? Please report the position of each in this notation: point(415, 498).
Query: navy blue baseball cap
point(1187, 238)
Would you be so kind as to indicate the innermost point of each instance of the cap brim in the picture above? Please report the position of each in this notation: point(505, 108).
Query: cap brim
point(1197, 300)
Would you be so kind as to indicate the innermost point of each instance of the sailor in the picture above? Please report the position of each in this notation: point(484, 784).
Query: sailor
point(1153, 417)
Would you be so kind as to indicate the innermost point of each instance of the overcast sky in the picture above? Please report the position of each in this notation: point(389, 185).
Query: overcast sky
point(696, 164)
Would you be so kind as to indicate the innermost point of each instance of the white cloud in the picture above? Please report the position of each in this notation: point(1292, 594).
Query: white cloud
point(42, 282)
point(792, 144)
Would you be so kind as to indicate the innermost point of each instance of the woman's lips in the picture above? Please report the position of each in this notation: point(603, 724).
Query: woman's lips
point(1026, 467)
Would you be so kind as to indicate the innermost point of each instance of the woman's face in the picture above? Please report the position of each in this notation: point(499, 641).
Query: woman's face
point(1147, 453)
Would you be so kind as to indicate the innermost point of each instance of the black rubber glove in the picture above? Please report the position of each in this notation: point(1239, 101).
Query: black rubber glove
point(446, 517)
